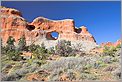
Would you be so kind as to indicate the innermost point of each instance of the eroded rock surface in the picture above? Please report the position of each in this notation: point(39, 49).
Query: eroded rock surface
point(114, 44)
point(38, 31)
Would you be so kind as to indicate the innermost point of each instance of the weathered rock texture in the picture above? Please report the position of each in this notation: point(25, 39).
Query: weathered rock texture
point(65, 28)
point(108, 44)
point(13, 24)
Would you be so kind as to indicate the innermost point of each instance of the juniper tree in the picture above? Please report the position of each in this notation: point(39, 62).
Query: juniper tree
point(11, 51)
point(10, 43)
point(22, 43)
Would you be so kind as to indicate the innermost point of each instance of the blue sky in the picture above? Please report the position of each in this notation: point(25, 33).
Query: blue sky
point(103, 19)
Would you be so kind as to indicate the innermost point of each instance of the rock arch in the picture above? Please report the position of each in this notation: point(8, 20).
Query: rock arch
point(49, 35)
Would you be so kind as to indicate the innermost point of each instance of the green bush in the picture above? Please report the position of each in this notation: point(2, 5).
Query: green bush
point(63, 48)
point(87, 66)
point(84, 76)
point(10, 43)
point(39, 62)
point(110, 50)
point(13, 55)
point(33, 47)
point(10, 50)
point(22, 43)
point(4, 49)
point(10, 40)
point(51, 50)
point(10, 77)
point(71, 75)
point(99, 64)
point(39, 52)
point(118, 46)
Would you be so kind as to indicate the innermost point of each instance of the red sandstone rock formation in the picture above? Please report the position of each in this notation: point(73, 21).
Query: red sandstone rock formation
point(108, 44)
point(118, 42)
point(65, 28)
point(13, 24)
point(10, 11)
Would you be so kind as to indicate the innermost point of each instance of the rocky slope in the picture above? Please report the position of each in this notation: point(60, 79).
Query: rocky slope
point(104, 67)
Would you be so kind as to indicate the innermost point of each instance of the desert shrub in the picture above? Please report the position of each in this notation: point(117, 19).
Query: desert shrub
point(4, 49)
point(14, 55)
point(112, 54)
point(115, 59)
point(71, 75)
point(107, 59)
point(29, 61)
point(39, 52)
point(10, 50)
point(63, 48)
point(84, 76)
point(99, 64)
point(87, 66)
point(110, 50)
point(117, 73)
point(6, 66)
point(33, 47)
point(10, 77)
point(14, 68)
point(65, 63)
point(10, 40)
point(78, 47)
point(33, 68)
point(26, 69)
point(110, 68)
point(1, 42)
point(118, 46)
point(55, 74)
point(33, 64)
point(23, 79)
point(25, 65)
point(118, 52)
point(39, 62)
point(21, 72)
point(76, 68)
point(58, 71)
point(54, 77)
point(10, 43)
point(76, 63)
point(51, 50)
point(22, 43)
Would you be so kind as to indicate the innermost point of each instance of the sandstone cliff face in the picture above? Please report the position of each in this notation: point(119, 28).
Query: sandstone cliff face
point(13, 24)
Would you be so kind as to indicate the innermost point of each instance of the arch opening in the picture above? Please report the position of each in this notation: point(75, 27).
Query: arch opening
point(52, 35)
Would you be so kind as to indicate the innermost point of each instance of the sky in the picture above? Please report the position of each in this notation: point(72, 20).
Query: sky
point(102, 18)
